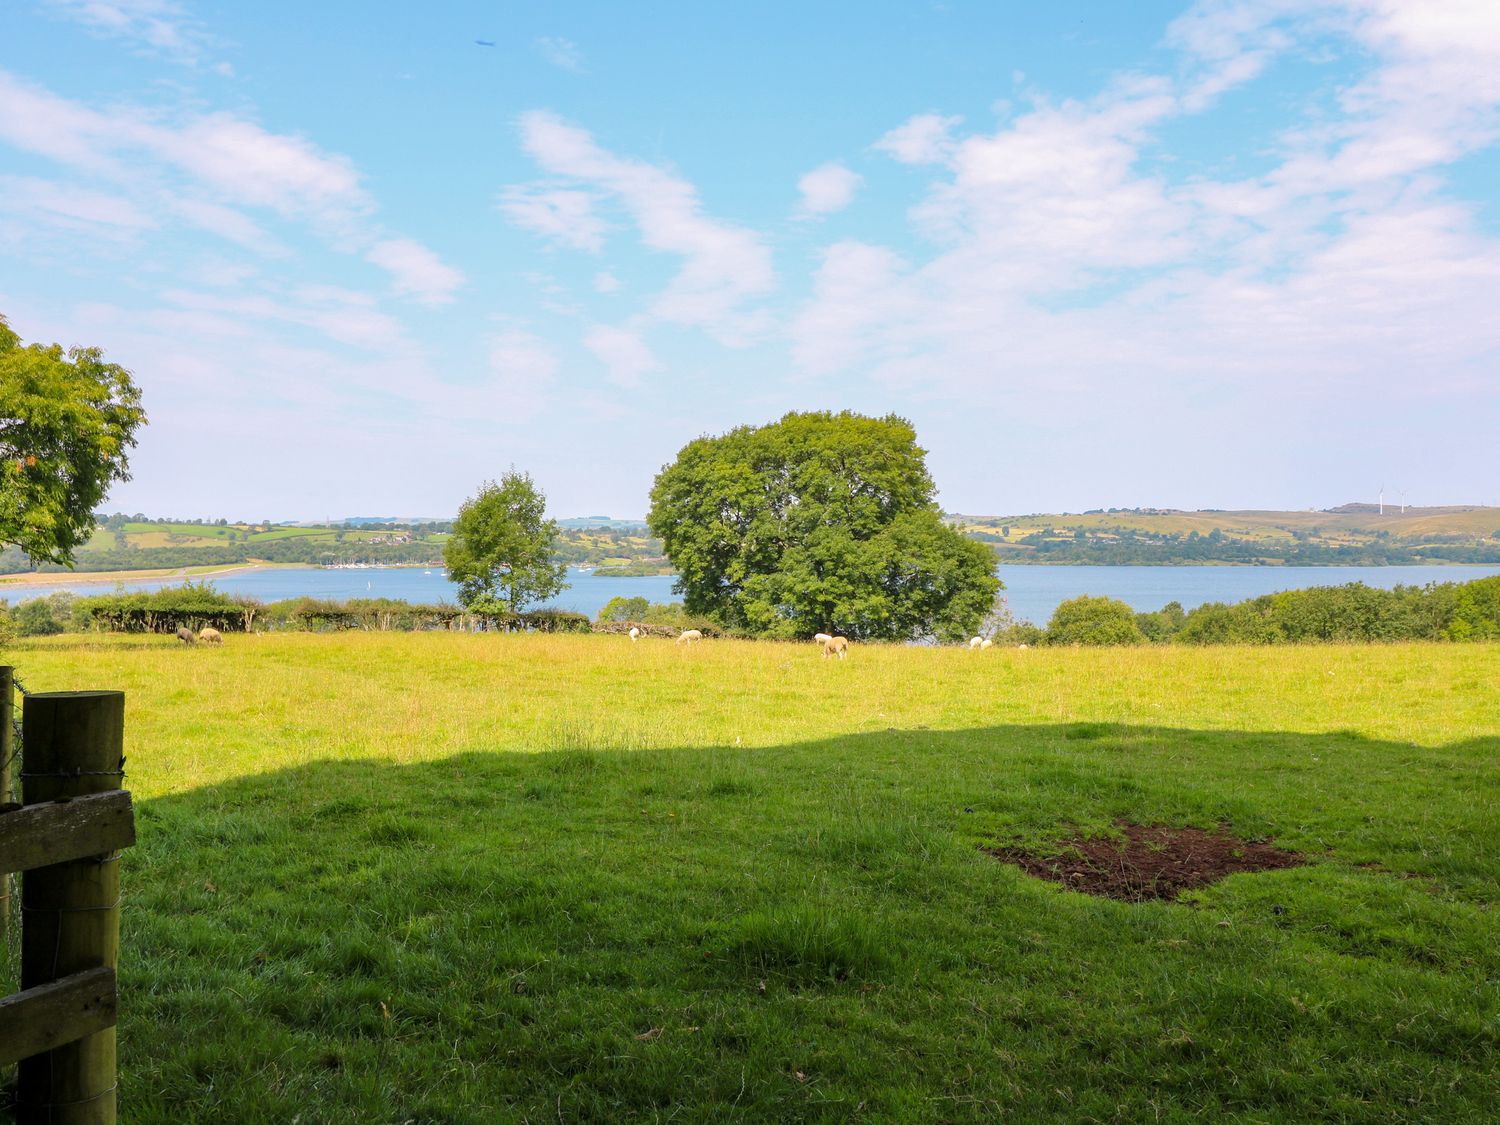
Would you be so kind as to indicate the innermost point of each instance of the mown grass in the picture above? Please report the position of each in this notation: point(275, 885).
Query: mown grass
point(457, 878)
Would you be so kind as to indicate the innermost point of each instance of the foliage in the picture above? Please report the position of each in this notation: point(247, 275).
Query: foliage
point(45, 616)
point(638, 611)
point(1475, 612)
point(1159, 626)
point(1094, 621)
point(502, 547)
point(818, 522)
point(67, 423)
point(193, 604)
point(621, 608)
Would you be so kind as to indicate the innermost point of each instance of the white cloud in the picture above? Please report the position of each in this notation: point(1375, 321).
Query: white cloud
point(327, 310)
point(228, 223)
point(208, 168)
point(606, 282)
point(525, 370)
point(562, 215)
point(723, 267)
point(416, 271)
point(1066, 258)
point(160, 26)
point(561, 53)
point(925, 139)
point(826, 189)
point(67, 204)
point(623, 353)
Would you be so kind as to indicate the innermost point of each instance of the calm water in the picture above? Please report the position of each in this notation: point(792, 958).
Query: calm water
point(1033, 592)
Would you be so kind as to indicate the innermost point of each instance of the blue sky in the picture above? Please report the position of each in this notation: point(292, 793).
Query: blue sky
point(1237, 253)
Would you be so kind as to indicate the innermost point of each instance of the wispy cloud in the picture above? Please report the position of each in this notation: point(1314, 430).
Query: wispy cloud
point(561, 53)
point(561, 215)
point(416, 271)
point(159, 26)
point(724, 267)
point(210, 170)
point(622, 351)
point(826, 189)
point(924, 139)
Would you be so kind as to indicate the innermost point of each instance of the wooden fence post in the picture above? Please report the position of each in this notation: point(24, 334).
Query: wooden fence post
point(7, 774)
point(74, 746)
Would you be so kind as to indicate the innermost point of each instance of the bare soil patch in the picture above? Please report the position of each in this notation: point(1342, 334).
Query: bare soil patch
point(1151, 862)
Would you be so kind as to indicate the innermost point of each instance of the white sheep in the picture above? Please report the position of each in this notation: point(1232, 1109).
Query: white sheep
point(1022, 648)
point(986, 643)
point(836, 646)
point(688, 636)
point(635, 634)
point(975, 642)
point(822, 638)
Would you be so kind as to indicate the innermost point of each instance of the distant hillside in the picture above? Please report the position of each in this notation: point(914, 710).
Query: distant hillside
point(590, 523)
point(123, 543)
point(1354, 534)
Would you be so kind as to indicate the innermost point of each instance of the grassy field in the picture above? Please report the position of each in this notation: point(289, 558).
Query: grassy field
point(397, 877)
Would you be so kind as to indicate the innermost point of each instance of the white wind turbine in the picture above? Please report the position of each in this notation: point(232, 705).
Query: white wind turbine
point(1382, 499)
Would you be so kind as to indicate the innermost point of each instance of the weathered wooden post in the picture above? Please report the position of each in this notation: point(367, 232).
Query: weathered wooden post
point(74, 747)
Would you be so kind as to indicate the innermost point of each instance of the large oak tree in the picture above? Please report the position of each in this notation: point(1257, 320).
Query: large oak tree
point(820, 522)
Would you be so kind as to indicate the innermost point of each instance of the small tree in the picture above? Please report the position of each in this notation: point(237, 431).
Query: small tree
point(501, 552)
point(67, 421)
point(1094, 621)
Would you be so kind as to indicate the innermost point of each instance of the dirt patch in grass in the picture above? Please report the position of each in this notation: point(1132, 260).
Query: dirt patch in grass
point(1150, 862)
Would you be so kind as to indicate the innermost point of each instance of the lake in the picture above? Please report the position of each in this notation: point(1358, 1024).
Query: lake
point(1032, 592)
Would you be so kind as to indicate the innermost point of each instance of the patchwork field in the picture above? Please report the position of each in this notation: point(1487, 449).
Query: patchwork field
point(423, 877)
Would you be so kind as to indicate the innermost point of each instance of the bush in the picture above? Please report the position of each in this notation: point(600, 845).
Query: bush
point(1475, 612)
point(1161, 626)
point(624, 609)
point(1094, 621)
point(44, 617)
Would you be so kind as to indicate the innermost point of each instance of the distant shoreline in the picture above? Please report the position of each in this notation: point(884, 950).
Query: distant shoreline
point(107, 577)
point(101, 577)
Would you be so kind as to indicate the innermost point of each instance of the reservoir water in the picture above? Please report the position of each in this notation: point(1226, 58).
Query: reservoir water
point(1032, 592)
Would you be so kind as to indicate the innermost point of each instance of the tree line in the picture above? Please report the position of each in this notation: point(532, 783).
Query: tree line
point(1353, 613)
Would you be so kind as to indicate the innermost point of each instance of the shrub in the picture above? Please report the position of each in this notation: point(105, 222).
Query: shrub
point(1094, 621)
point(45, 616)
point(1475, 611)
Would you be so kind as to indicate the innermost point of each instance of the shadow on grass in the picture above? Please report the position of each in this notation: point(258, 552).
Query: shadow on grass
point(812, 932)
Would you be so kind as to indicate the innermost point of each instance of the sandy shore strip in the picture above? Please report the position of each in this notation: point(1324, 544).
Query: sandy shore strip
point(109, 577)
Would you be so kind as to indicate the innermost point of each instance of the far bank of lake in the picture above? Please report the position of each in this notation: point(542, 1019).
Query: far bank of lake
point(1032, 592)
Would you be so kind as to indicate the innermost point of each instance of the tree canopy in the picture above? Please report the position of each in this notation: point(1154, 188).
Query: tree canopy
point(819, 522)
point(501, 552)
point(67, 423)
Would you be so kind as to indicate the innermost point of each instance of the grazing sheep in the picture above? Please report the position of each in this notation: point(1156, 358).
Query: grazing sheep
point(986, 643)
point(836, 646)
point(688, 636)
point(210, 636)
point(975, 642)
point(185, 635)
point(822, 638)
point(635, 634)
point(1023, 648)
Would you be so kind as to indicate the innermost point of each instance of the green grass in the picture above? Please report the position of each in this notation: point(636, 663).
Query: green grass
point(395, 877)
